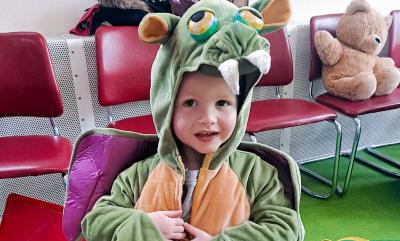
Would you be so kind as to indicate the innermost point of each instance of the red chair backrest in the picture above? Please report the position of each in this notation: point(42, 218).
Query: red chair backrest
point(281, 72)
point(324, 22)
point(394, 38)
point(123, 65)
point(27, 83)
point(31, 219)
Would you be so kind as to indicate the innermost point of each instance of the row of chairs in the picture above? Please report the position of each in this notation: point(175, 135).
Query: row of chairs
point(42, 154)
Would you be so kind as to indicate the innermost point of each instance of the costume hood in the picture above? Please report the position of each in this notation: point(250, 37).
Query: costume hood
point(216, 38)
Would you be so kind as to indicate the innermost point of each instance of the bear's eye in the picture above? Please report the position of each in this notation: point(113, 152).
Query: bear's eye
point(249, 18)
point(202, 25)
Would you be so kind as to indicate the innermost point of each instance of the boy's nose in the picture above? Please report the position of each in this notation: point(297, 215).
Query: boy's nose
point(208, 117)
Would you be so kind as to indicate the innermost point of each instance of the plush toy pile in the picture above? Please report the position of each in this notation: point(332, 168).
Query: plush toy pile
point(352, 68)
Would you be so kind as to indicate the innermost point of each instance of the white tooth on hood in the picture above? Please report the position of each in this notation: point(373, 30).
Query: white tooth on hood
point(230, 72)
point(261, 59)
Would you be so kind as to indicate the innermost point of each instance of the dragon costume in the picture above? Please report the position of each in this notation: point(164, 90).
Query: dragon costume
point(238, 195)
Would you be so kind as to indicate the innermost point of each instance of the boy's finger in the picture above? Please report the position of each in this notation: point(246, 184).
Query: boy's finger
point(178, 221)
point(177, 236)
point(178, 229)
point(173, 213)
point(191, 229)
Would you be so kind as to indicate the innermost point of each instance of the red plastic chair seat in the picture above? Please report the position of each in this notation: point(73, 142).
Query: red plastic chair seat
point(33, 155)
point(27, 218)
point(355, 108)
point(282, 113)
point(141, 124)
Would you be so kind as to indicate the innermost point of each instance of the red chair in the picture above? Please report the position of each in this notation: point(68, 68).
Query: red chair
point(30, 219)
point(28, 88)
point(348, 108)
point(124, 66)
point(284, 113)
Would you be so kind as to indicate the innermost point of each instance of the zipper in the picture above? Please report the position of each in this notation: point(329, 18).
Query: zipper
point(200, 183)
point(180, 184)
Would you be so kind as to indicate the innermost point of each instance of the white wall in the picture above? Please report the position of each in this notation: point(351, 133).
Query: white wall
point(51, 17)
point(303, 10)
point(48, 17)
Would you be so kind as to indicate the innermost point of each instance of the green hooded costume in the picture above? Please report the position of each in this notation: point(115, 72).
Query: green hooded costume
point(238, 196)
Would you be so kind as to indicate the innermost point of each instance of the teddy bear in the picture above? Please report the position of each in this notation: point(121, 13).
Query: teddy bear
point(351, 67)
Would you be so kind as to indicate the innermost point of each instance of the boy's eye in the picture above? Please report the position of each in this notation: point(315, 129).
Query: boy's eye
point(202, 25)
point(249, 18)
point(222, 103)
point(189, 103)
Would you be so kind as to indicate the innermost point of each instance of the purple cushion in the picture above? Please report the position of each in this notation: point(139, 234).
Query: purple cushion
point(97, 161)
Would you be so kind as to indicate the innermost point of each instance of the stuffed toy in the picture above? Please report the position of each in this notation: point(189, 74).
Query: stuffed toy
point(351, 68)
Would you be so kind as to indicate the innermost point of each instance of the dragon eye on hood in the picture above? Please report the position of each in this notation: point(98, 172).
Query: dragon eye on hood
point(249, 18)
point(202, 25)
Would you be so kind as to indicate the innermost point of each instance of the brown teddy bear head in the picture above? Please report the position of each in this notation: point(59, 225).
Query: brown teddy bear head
point(363, 28)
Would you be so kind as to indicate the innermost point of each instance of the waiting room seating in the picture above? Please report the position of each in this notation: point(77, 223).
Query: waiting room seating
point(281, 113)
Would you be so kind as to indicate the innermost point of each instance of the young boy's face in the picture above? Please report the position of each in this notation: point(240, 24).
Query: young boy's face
point(205, 112)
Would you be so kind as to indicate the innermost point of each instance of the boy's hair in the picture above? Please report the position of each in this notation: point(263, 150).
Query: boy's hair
point(243, 88)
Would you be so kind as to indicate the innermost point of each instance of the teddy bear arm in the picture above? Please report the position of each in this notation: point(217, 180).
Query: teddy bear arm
point(329, 48)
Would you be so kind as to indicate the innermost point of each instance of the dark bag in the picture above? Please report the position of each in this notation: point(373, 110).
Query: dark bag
point(85, 23)
point(117, 13)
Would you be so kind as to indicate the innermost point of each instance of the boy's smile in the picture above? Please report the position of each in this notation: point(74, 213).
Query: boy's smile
point(205, 112)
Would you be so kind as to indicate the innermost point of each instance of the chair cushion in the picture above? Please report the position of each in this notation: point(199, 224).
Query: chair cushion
point(31, 219)
point(100, 155)
point(282, 113)
point(33, 155)
point(141, 124)
point(356, 108)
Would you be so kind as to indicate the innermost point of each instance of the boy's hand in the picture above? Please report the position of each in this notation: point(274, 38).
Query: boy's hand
point(169, 223)
point(199, 235)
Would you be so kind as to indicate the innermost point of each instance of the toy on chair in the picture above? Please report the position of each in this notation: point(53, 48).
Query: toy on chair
point(352, 69)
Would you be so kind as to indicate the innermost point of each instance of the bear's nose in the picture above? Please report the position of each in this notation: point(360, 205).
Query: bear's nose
point(377, 40)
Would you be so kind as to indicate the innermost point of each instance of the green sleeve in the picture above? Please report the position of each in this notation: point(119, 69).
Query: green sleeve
point(271, 215)
point(113, 216)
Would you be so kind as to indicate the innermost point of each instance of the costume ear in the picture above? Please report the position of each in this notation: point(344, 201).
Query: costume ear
point(276, 13)
point(358, 6)
point(157, 27)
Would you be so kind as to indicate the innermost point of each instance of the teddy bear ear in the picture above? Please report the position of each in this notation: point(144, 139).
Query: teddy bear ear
point(388, 20)
point(358, 6)
point(157, 27)
point(276, 13)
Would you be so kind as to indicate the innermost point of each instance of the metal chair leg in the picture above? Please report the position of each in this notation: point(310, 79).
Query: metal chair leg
point(352, 155)
point(333, 183)
point(380, 168)
point(253, 137)
point(376, 153)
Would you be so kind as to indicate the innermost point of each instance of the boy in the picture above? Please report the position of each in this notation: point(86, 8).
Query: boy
point(198, 185)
